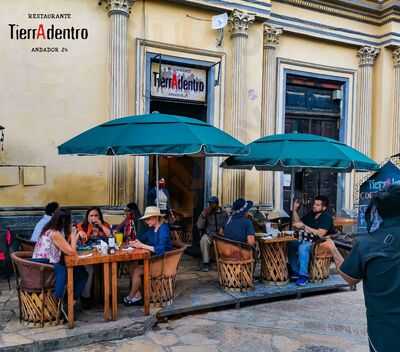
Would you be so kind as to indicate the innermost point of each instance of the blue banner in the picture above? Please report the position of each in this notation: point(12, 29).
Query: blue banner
point(387, 175)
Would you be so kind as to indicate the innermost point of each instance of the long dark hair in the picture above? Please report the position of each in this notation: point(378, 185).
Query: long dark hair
point(386, 203)
point(85, 223)
point(60, 221)
point(134, 209)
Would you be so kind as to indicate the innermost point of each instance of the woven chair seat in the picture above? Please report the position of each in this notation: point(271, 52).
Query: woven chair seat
point(273, 262)
point(320, 263)
point(35, 283)
point(235, 264)
point(40, 307)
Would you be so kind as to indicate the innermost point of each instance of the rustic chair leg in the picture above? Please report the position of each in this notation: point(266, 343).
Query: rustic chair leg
point(20, 306)
point(43, 303)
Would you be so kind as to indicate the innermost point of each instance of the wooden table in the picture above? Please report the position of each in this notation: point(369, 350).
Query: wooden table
point(127, 256)
point(274, 258)
point(340, 222)
point(107, 260)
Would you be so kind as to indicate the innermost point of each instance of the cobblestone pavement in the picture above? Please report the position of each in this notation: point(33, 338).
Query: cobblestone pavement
point(324, 323)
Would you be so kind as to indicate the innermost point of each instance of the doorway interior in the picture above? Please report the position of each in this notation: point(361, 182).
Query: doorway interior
point(313, 105)
point(185, 176)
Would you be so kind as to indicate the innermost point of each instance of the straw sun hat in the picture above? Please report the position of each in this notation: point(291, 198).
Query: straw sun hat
point(151, 211)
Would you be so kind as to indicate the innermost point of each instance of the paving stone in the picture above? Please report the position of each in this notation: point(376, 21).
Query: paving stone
point(139, 346)
point(7, 340)
point(284, 343)
point(4, 299)
point(163, 339)
point(6, 315)
point(318, 349)
point(196, 339)
point(194, 349)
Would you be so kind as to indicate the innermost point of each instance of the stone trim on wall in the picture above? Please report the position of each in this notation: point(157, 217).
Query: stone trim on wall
point(377, 15)
point(260, 8)
point(300, 26)
point(122, 7)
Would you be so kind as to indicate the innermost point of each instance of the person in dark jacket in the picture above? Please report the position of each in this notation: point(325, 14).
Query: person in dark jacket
point(131, 227)
point(375, 259)
point(163, 196)
point(238, 226)
point(211, 220)
point(157, 240)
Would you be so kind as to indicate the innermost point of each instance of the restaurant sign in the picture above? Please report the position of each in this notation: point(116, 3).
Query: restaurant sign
point(388, 174)
point(178, 82)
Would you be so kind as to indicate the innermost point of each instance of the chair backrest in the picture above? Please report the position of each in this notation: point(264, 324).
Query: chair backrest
point(232, 250)
point(320, 251)
point(167, 264)
point(26, 245)
point(32, 275)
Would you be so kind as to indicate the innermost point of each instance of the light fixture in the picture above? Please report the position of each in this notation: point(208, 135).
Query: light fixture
point(2, 137)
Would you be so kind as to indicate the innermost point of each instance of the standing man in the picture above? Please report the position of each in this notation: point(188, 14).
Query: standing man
point(211, 220)
point(48, 213)
point(375, 259)
point(318, 222)
point(163, 196)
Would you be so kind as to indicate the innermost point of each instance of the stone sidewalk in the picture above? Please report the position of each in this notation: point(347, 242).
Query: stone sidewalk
point(90, 327)
point(324, 323)
point(196, 291)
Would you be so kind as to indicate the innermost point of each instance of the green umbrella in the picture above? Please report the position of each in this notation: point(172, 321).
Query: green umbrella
point(154, 134)
point(296, 151)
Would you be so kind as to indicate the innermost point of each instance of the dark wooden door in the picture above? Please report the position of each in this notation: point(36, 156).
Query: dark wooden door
point(311, 108)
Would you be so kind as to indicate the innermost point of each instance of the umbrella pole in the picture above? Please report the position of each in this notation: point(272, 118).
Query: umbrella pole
point(292, 189)
point(157, 176)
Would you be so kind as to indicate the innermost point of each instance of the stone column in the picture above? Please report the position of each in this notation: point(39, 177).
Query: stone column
point(118, 11)
point(396, 103)
point(268, 112)
point(367, 57)
point(363, 123)
point(239, 22)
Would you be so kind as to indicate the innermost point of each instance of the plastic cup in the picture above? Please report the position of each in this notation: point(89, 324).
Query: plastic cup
point(119, 238)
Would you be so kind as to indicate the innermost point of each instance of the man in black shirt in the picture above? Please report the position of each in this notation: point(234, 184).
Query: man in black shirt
point(318, 222)
point(375, 259)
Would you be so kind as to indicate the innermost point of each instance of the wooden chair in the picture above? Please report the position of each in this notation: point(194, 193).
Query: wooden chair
point(235, 263)
point(26, 245)
point(163, 271)
point(320, 263)
point(35, 283)
point(180, 235)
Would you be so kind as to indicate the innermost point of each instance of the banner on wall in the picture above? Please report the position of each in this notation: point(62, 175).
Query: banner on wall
point(178, 82)
point(387, 175)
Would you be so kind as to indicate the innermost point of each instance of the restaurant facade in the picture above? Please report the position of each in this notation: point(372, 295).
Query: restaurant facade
point(261, 67)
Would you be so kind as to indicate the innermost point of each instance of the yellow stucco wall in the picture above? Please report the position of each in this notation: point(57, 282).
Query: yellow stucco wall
point(48, 98)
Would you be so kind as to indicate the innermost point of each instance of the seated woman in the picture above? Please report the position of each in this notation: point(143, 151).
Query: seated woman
point(130, 226)
point(93, 227)
point(238, 227)
point(157, 241)
point(51, 244)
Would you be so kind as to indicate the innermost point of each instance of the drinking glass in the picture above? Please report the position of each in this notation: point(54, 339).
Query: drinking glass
point(119, 237)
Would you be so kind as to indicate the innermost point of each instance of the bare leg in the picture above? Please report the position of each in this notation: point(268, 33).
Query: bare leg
point(136, 282)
